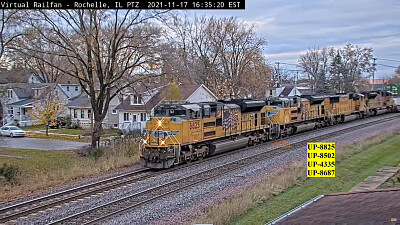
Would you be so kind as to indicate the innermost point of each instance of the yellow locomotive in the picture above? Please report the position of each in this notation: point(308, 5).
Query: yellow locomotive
point(189, 131)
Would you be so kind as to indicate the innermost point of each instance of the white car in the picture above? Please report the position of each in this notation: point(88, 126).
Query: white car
point(12, 131)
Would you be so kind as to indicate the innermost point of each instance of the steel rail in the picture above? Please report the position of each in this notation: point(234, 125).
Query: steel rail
point(108, 210)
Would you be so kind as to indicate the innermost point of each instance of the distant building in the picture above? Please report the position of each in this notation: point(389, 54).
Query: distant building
point(81, 112)
point(138, 107)
point(291, 90)
point(378, 84)
point(20, 99)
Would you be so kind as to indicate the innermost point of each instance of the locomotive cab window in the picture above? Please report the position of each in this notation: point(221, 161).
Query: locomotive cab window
point(194, 114)
point(177, 112)
point(206, 112)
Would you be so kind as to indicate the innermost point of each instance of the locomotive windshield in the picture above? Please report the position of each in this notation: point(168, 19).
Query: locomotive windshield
point(171, 112)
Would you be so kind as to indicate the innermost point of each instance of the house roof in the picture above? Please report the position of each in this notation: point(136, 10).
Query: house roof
point(25, 90)
point(186, 90)
point(286, 91)
point(14, 75)
point(80, 101)
point(22, 102)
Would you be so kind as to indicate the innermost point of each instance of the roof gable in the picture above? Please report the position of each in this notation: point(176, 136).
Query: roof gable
point(186, 90)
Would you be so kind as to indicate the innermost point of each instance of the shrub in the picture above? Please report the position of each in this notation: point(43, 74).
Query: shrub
point(68, 122)
point(10, 173)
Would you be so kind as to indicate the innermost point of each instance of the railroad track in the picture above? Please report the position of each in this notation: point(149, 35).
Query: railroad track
point(31, 206)
point(111, 209)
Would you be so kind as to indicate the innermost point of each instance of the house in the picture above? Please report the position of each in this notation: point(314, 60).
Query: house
point(291, 90)
point(138, 107)
point(80, 110)
point(270, 92)
point(20, 99)
point(378, 84)
point(72, 90)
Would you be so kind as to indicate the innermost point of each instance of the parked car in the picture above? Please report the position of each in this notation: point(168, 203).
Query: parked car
point(12, 131)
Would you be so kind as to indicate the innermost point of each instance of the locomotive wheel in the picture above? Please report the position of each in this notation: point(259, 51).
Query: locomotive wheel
point(200, 156)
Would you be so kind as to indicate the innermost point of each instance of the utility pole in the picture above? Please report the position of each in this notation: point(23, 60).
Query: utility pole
point(373, 74)
point(279, 75)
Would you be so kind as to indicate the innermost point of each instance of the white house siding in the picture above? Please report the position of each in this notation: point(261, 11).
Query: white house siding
point(34, 79)
point(131, 122)
point(70, 89)
point(201, 95)
point(84, 121)
point(111, 119)
point(23, 113)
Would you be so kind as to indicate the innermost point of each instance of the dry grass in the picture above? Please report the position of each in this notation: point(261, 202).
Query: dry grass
point(44, 169)
point(227, 211)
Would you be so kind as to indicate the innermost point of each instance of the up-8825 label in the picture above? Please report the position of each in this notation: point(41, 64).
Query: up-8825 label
point(321, 159)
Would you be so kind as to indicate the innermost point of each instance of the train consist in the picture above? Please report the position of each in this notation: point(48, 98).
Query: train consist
point(185, 132)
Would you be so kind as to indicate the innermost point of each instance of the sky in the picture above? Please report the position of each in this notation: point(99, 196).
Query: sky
point(291, 27)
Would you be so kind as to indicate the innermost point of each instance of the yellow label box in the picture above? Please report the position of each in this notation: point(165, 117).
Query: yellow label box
point(321, 159)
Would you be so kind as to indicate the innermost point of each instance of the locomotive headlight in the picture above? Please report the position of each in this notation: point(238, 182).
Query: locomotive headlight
point(144, 141)
point(159, 123)
point(163, 142)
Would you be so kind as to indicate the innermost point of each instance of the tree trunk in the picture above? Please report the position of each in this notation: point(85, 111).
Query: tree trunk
point(96, 133)
point(47, 128)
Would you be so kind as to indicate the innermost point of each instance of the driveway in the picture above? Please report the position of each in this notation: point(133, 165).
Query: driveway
point(40, 144)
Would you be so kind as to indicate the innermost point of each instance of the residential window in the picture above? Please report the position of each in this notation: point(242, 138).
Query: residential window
point(126, 116)
point(75, 113)
point(114, 111)
point(115, 125)
point(136, 99)
point(142, 116)
point(9, 93)
point(134, 118)
point(10, 110)
point(67, 88)
point(89, 113)
point(76, 88)
point(82, 113)
point(36, 92)
point(270, 92)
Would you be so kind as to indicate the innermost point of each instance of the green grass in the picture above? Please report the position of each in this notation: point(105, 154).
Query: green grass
point(69, 131)
point(107, 132)
point(349, 172)
point(34, 128)
point(43, 169)
point(59, 137)
point(393, 182)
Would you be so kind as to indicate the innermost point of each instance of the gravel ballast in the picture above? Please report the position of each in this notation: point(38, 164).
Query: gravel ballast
point(183, 206)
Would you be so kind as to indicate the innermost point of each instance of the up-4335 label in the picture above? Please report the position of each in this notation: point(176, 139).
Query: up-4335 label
point(321, 159)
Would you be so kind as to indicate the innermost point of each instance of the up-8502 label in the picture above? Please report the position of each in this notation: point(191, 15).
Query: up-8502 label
point(321, 159)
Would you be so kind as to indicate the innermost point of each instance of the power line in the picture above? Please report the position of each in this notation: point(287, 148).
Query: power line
point(393, 60)
point(287, 64)
point(386, 65)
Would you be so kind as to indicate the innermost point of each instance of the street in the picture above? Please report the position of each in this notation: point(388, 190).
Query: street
point(39, 144)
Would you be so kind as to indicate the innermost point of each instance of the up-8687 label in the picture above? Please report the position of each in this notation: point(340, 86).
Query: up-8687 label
point(321, 159)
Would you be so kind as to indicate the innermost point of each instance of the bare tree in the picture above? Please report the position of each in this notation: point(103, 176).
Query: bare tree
point(348, 65)
point(105, 50)
point(237, 45)
point(44, 61)
point(315, 64)
point(10, 28)
point(257, 78)
point(219, 53)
